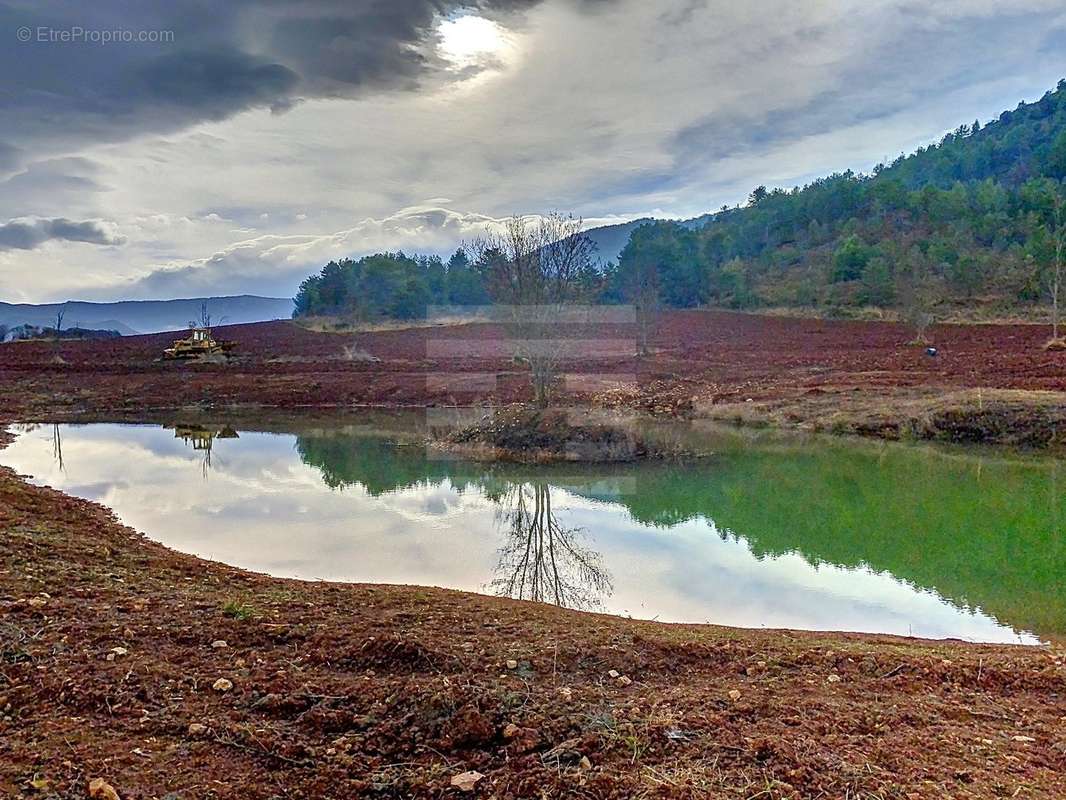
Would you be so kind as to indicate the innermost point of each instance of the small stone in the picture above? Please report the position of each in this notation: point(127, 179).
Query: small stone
point(1024, 739)
point(222, 685)
point(197, 729)
point(613, 674)
point(585, 763)
point(511, 664)
point(834, 678)
point(511, 730)
point(219, 644)
point(734, 694)
point(37, 602)
point(624, 680)
point(102, 790)
point(466, 781)
point(116, 652)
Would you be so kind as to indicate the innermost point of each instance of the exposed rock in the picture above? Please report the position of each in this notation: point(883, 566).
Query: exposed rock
point(197, 729)
point(222, 685)
point(99, 789)
point(219, 644)
point(466, 781)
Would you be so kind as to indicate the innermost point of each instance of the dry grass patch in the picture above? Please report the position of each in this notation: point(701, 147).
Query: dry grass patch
point(990, 416)
point(341, 325)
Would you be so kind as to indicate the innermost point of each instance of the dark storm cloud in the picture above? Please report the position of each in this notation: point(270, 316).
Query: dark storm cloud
point(28, 234)
point(210, 60)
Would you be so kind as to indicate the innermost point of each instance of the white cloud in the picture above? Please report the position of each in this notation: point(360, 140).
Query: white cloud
point(610, 109)
point(274, 264)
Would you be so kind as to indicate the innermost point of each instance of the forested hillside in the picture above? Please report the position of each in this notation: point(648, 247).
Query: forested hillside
point(969, 219)
point(972, 220)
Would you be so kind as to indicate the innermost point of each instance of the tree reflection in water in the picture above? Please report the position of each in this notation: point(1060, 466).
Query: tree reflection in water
point(541, 560)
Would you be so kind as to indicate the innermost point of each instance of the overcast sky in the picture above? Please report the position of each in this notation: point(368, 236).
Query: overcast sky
point(236, 146)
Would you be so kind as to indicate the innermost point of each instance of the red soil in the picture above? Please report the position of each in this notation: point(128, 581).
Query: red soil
point(108, 663)
point(338, 691)
point(715, 356)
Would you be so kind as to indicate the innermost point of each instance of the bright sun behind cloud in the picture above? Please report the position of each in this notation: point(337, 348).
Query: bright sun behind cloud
point(470, 40)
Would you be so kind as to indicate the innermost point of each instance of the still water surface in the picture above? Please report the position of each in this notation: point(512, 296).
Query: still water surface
point(769, 532)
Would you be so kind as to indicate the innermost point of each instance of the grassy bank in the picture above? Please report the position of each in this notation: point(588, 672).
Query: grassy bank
point(986, 416)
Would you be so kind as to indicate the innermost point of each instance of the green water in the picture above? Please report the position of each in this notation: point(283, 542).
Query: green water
point(983, 529)
point(768, 531)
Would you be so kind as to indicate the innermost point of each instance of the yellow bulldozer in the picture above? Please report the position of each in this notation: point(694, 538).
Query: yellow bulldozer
point(197, 344)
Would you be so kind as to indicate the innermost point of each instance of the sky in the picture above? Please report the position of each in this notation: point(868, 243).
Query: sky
point(178, 148)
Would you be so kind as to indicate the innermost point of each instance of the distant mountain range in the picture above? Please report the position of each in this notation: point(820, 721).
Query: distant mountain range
point(130, 317)
point(611, 240)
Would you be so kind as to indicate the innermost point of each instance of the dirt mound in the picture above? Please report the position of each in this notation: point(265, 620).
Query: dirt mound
point(1027, 419)
point(542, 435)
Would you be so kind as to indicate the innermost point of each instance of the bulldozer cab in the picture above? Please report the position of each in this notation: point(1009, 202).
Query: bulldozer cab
point(197, 344)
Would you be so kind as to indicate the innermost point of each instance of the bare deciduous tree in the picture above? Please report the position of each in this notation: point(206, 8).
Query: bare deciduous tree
point(541, 560)
point(57, 447)
point(917, 297)
point(535, 270)
point(1058, 236)
point(642, 290)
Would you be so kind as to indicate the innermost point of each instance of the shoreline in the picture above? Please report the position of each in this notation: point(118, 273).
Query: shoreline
point(111, 647)
point(990, 383)
point(107, 663)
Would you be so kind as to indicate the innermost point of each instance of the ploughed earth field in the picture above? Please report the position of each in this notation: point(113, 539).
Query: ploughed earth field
point(699, 359)
point(235, 580)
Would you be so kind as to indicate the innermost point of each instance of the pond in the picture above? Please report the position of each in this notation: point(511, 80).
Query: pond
point(769, 531)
